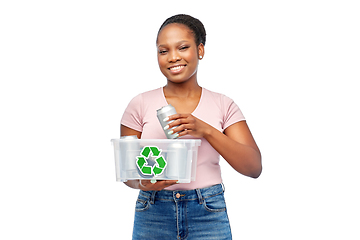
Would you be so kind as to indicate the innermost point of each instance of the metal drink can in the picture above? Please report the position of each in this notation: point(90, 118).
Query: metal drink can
point(163, 113)
point(176, 159)
point(129, 149)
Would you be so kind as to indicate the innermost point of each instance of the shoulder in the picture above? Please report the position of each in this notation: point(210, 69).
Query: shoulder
point(152, 93)
point(225, 104)
point(218, 97)
point(148, 95)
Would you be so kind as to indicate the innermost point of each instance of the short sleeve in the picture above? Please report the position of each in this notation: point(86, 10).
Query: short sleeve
point(232, 112)
point(132, 116)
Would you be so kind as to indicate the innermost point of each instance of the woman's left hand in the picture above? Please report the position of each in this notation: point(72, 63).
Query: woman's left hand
point(236, 145)
point(187, 124)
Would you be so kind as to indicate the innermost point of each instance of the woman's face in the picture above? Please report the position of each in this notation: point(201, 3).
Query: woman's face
point(178, 55)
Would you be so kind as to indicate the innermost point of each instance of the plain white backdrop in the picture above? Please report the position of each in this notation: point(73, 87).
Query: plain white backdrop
point(69, 68)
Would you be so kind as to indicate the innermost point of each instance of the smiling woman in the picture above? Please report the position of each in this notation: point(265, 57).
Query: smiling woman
point(178, 60)
point(195, 210)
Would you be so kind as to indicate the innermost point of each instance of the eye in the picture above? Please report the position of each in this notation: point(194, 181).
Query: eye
point(182, 48)
point(162, 52)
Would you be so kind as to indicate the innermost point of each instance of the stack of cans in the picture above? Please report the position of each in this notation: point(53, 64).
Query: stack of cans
point(177, 152)
point(130, 150)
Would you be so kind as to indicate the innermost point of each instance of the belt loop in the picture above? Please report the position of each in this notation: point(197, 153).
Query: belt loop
point(152, 197)
point(198, 192)
point(223, 187)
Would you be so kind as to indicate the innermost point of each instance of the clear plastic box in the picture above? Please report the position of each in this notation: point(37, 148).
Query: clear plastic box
point(161, 159)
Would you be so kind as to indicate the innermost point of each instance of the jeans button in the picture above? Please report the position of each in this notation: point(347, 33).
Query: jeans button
point(177, 195)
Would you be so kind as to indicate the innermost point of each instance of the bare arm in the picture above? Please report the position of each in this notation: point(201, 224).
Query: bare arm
point(126, 131)
point(236, 145)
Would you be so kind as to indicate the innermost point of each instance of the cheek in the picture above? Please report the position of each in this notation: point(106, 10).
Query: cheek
point(191, 56)
point(161, 61)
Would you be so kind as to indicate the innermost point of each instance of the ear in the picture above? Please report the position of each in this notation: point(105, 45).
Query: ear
point(201, 51)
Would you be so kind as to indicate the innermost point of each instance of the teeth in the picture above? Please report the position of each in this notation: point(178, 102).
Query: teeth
point(176, 68)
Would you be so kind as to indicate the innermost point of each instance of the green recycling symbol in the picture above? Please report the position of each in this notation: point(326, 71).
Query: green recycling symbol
point(142, 162)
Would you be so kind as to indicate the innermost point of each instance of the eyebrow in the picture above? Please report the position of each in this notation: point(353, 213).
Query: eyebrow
point(164, 45)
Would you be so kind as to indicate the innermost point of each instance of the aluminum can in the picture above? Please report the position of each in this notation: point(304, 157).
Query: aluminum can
point(164, 112)
point(176, 161)
point(129, 150)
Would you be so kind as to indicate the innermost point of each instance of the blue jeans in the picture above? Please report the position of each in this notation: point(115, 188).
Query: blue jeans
point(190, 214)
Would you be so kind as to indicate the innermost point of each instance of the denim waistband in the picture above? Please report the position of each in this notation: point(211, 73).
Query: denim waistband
point(184, 195)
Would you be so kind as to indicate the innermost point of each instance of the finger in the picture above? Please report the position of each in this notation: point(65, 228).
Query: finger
point(150, 185)
point(185, 132)
point(179, 122)
point(160, 185)
point(171, 182)
point(144, 183)
point(182, 127)
point(176, 116)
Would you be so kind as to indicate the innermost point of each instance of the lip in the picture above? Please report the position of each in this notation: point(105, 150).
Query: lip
point(179, 68)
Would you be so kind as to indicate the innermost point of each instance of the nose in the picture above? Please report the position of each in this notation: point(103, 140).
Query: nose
point(173, 56)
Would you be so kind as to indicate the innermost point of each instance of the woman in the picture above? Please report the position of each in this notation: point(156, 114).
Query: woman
point(167, 209)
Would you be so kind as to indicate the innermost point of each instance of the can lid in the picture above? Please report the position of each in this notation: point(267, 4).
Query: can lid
point(165, 107)
point(129, 137)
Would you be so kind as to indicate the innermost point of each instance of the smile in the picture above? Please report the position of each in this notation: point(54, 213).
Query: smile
point(176, 69)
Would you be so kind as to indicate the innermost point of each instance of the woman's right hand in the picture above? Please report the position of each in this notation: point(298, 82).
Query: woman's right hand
point(147, 185)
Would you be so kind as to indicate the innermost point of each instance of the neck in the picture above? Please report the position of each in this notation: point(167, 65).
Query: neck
point(184, 89)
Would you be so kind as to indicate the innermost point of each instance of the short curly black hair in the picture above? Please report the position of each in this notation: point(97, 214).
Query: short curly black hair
point(192, 23)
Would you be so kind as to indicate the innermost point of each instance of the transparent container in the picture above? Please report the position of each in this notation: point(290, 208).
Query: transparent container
point(160, 159)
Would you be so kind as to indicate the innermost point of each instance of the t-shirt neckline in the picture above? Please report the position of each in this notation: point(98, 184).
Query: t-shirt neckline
point(198, 105)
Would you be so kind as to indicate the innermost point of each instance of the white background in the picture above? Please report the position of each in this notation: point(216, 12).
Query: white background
point(69, 68)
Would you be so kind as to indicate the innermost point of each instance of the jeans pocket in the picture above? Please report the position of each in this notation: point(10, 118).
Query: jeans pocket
point(215, 203)
point(142, 203)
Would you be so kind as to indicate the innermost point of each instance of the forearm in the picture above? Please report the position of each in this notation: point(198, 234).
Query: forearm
point(133, 184)
point(236, 145)
point(243, 158)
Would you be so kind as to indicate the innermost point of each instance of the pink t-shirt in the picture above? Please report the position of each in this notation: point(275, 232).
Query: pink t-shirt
point(215, 109)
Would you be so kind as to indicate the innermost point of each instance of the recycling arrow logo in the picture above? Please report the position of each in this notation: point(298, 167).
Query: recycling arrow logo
point(142, 161)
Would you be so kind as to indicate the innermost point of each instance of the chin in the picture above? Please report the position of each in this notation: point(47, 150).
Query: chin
point(176, 81)
point(179, 78)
